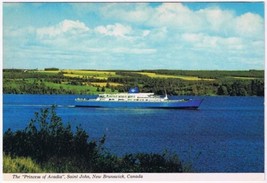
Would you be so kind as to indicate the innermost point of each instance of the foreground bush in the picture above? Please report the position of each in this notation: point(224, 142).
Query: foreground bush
point(20, 165)
point(56, 148)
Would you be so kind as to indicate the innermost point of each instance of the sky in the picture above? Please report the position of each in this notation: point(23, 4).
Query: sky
point(134, 36)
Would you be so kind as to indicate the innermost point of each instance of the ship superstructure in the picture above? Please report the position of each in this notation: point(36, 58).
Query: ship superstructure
point(134, 99)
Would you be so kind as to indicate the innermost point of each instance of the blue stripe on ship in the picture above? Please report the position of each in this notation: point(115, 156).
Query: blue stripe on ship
point(118, 104)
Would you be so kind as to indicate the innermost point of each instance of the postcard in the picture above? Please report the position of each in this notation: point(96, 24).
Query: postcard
point(133, 91)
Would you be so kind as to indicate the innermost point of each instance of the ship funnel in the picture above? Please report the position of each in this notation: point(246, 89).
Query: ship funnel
point(134, 90)
point(166, 96)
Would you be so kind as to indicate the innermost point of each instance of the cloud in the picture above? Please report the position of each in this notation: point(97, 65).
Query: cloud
point(128, 12)
point(73, 40)
point(249, 25)
point(216, 21)
point(177, 16)
point(133, 50)
point(66, 26)
point(138, 35)
point(146, 33)
point(215, 42)
point(117, 30)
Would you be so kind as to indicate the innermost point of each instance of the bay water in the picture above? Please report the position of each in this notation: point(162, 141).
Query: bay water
point(226, 134)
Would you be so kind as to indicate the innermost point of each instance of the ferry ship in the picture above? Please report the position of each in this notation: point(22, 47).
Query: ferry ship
point(134, 99)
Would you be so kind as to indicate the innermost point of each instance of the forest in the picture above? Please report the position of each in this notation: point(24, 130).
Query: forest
point(174, 82)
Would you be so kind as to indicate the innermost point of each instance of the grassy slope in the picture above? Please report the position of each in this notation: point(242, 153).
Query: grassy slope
point(20, 165)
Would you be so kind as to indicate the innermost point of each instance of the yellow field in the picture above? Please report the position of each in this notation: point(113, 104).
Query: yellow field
point(90, 73)
point(73, 75)
point(188, 78)
point(243, 77)
point(105, 84)
point(95, 74)
point(47, 71)
point(81, 73)
point(105, 74)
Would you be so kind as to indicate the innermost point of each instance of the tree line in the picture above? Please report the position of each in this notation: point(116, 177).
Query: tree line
point(173, 86)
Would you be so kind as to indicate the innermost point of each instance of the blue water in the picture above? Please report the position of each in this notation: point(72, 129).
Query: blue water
point(226, 134)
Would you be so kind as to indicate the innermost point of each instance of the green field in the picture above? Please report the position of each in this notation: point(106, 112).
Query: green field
point(176, 82)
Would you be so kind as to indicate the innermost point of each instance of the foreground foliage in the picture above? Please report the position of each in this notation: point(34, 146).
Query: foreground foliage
point(56, 148)
point(20, 165)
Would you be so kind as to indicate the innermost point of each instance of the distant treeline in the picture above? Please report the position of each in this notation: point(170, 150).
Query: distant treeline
point(232, 83)
point(221, 85)
point(179, 87)
point(213, 74)
point(51, 69)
